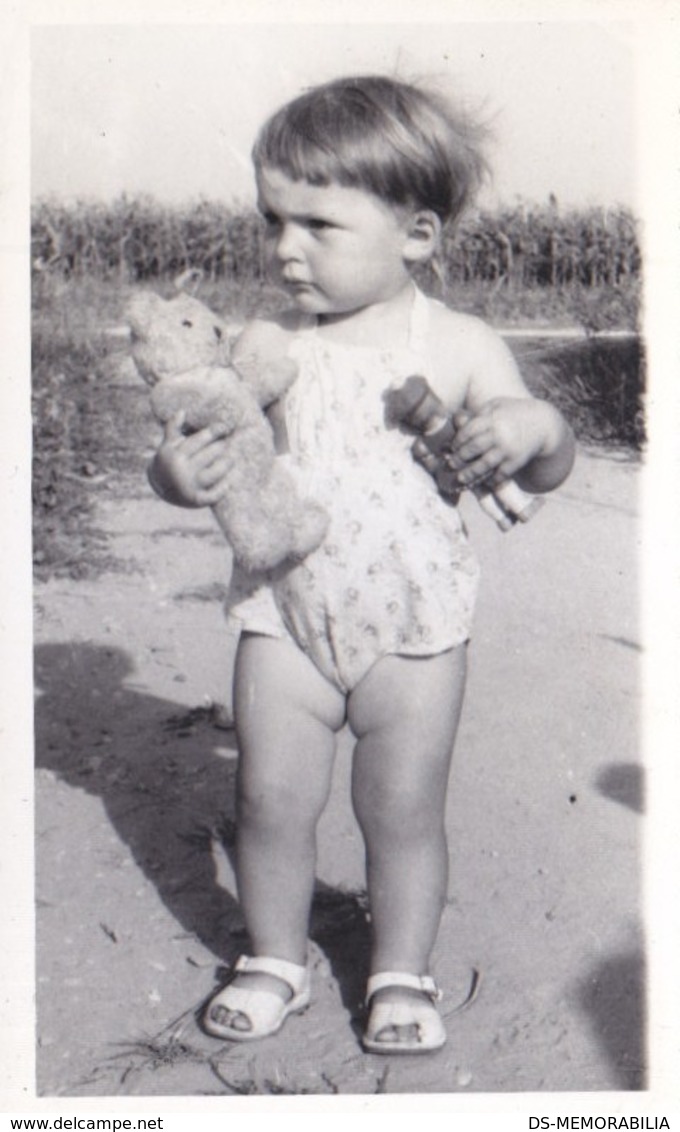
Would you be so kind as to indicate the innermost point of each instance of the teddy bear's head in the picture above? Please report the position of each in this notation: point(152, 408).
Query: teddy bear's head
point(170, 336)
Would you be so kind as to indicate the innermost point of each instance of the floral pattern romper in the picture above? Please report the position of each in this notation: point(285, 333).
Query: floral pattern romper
point(395, 574)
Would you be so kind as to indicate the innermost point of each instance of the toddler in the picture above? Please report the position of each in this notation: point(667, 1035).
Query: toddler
point(356, 180)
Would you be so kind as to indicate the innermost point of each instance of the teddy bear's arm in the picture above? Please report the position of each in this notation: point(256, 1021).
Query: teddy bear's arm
point(259, 355)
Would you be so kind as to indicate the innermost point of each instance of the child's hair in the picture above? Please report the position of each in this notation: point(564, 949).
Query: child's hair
point(390, 138)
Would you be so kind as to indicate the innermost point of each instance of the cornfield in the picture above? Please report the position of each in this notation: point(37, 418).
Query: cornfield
point(138, 239)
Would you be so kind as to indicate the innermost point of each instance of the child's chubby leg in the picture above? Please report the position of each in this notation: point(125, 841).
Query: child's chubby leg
point(286, 714)
point(405, 714)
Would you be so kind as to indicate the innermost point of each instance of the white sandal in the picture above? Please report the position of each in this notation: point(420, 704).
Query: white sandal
point(265, 1009)
point(422, 1014)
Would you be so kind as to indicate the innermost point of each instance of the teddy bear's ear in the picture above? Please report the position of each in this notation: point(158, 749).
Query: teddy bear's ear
point(188, 280)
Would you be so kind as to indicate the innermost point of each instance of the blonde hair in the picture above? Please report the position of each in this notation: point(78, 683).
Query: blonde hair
point(401, 143)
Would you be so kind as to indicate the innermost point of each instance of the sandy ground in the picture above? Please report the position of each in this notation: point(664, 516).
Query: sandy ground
point(134, 796)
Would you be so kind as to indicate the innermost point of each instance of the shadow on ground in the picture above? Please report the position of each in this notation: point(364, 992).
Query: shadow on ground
point(612, 995)
point(624, 783)
point(166, 776)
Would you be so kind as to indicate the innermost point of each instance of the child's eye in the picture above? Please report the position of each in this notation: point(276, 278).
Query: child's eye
point(318, 225)
point(271, 219)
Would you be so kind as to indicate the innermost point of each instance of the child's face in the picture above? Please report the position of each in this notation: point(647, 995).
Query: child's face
point(335, 249)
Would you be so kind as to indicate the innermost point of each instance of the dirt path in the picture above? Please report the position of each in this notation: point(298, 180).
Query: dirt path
point(134, 804)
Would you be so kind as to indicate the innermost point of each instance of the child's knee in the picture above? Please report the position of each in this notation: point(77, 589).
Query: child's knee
point(279, 803)
point(265, 803)
point(398, 817)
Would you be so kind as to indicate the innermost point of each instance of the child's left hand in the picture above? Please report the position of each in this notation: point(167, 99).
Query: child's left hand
point(502, 438)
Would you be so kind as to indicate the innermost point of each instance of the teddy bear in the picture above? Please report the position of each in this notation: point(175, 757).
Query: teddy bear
point(182, 350)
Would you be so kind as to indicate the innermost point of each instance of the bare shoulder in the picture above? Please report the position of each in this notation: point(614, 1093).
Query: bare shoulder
point(266, 337)
point(467, 334)
point(448, 325)
point(471, 361)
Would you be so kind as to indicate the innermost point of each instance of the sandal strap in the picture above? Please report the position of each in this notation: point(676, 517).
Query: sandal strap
point(383, 979)
point(292, 974)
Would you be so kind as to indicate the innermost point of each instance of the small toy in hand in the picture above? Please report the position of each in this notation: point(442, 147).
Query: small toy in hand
point(181, 349)
point(415, 405)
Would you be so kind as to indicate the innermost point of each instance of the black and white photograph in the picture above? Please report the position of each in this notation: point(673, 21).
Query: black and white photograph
point(341, 767)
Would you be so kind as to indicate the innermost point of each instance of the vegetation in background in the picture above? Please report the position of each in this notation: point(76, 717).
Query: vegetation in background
point(90, 431)
point(598, 385)
point(528, 262)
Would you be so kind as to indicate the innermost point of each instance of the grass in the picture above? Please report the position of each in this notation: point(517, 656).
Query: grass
point(93, 431)
point(89, 431)
point(597, 385)
point(509, 305)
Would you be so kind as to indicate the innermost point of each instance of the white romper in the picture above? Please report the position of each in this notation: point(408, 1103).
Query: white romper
point(395, 573)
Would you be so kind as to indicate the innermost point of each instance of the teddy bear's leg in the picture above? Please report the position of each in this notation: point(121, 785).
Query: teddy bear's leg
point(259, 539)
point(310, 528)
point(272, 526)
point(304, 520)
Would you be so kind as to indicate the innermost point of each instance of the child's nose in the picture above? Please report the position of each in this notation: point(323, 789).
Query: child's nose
point(288, 243)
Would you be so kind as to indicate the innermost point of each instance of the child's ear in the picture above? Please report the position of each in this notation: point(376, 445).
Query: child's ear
point(423, 236)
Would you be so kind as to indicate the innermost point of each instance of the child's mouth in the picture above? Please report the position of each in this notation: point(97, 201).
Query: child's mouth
point(301, 291)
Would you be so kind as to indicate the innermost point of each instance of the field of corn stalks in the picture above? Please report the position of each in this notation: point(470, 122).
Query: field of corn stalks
point(135, 239)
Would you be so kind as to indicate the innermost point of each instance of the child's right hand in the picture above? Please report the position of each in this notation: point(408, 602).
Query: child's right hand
point(188, 470)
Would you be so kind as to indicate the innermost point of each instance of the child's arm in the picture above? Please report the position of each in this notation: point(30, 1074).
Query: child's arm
point(518, 438)
point(506, 433)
